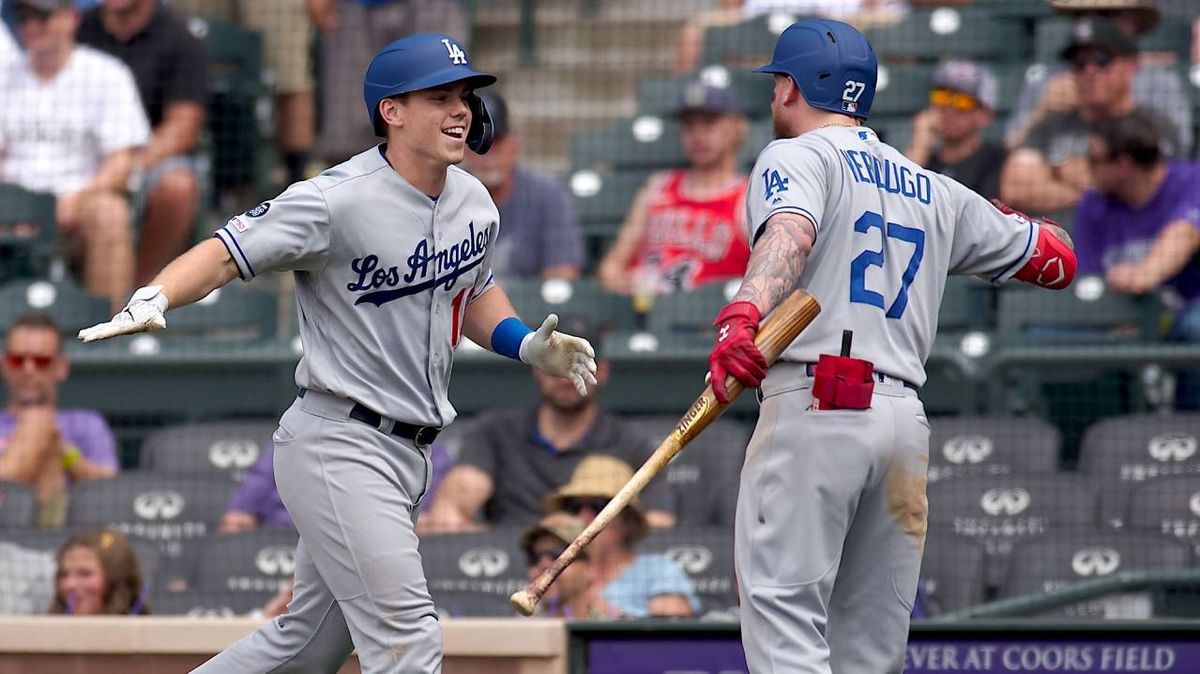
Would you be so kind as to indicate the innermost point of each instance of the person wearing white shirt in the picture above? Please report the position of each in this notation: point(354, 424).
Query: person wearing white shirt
point(69, 125)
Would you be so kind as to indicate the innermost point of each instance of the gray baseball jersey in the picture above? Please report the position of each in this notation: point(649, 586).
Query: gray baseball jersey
point(888, 233)
point(384, 275)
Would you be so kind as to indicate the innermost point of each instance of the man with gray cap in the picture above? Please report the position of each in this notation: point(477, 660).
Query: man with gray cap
point(686, 226)
point(948, 135)
point(541, 238)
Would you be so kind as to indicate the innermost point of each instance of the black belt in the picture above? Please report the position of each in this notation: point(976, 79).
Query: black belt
point(422, 435)
point(811, 370)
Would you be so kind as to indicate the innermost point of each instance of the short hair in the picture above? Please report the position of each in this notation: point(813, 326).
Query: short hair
point(1139, 135)
point(35, 321)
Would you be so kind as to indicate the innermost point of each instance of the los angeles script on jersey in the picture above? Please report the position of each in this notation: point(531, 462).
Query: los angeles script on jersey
point(427, 269)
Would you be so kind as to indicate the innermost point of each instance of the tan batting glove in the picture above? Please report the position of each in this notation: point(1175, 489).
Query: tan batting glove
point(560, 354)
point(144, 313)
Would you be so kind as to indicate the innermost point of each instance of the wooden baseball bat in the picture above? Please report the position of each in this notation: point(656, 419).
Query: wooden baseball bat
point(792, 315)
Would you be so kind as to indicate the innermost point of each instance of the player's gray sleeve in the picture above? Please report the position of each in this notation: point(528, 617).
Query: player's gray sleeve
point(487, 278)
point(290, 232)
point(987, 242)
point(790, 176)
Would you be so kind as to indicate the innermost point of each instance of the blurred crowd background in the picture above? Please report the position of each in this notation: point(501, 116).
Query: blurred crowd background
point(136, 475)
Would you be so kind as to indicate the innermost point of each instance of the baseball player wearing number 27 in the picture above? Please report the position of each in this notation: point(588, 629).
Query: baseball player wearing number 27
point(390, 252)
point(831, 512)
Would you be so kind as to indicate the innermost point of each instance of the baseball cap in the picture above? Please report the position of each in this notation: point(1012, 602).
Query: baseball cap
point(498, 109)
point(563, 526)
point(1145, 14)
point(45, 5)
point(698, 96)
point(1095, 32)
point(967, 77)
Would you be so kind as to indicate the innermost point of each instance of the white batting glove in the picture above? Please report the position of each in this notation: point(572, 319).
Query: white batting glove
point(144, 313)
point(560, 354)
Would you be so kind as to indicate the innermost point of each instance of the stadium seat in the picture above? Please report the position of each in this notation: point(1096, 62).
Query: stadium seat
point(1018, 9)
point(471, 604)
point(203, 604)
point(706, 556)
point(534, 299)
point(690, 313)
point(256, 561)
point(1025, 313)
point(1001, 509)
point(18, 505)
point(488, 562)
point(661, 96)
point(234, 313)
point(930, 35)
point(1054, 562)
point(1168, 505)
point(26, 578)
point(703, 478)
point(902, 90)
point(1120, 453)
point(150, 559)
point(602, 200)
point(167, 509)
point(28, 232)
point(648, 142)
point(65, 302)
point(973, 445)
point(952, 574)
point(226, 448)
point(746, 44)
point(1052, 35)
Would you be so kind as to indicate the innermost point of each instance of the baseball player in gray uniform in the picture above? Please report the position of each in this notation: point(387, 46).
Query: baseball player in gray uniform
point(831, 514)
point(390, 252)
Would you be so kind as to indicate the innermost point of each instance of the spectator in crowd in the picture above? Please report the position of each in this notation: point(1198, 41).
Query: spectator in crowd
point(170, 68)
point(1050, 172)
point(98, 574)
point(40, 444)
point(541, 237)
point(286, 37)
point(636, 585)
point(256, 504)
point(1140, 227)
point(686, 227)
point(70, 124)
point(948, 136)
point(352, 32)
point(1157, 86)
point(573, 594)
point(511, 460)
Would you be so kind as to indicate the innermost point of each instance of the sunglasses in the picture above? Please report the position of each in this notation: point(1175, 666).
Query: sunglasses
point(575, 505)
point(946, 98)
point(17, 361)
point(1081, 60)
point(26, 13)
point(535, 557)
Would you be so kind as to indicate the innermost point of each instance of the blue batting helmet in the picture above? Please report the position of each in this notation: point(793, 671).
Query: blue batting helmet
point(832, 63)
point(424, 61)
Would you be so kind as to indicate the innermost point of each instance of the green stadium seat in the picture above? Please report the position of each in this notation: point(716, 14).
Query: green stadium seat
point(65, 302)
point(902, 89)
point(747, 44)
point(233, 313)
point(534, 299)
point(660, 96)
point(1084, 313)
point(602, 200)
point(648, 142)
point(1016, 9)
point(689, 313)
point(931, 35)
point(27, 232)
point(237, 94)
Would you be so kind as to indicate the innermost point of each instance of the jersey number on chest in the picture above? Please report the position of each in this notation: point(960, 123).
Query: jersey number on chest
point(859, 292)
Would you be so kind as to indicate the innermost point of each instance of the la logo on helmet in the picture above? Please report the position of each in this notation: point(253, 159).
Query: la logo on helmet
point(457, 56)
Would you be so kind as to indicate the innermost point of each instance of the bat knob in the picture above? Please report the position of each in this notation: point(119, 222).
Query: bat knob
point(524, 602)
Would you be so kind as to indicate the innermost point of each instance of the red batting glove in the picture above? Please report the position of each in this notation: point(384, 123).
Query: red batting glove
point(735, 353)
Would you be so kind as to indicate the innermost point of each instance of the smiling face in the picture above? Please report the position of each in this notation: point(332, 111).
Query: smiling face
point(81, 581)
point(430, 123)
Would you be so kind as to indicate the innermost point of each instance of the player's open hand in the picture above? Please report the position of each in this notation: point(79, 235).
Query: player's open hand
point(560, 354)
point(144, 313)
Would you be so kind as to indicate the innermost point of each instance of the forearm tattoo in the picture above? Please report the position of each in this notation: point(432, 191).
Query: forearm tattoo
point(776, 261)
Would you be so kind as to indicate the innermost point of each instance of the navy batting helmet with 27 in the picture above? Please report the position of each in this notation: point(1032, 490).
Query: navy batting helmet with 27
point(832, 63)
point(424, 61)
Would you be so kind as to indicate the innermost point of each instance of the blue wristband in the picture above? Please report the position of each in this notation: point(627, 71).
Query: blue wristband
point(507, 337)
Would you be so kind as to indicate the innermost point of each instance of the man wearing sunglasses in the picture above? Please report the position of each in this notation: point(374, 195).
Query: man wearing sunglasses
point(1049, 172)
point(948, 135)
point(41, 445)
point(574, 594)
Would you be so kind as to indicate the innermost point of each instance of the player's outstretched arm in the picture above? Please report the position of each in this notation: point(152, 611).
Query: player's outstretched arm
point(191, 276)
point(491, 321)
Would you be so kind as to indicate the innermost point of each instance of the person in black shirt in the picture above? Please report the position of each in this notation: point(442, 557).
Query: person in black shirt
point(948, 136)
point(170, 69)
